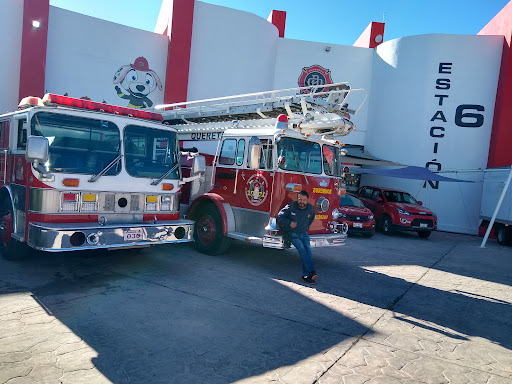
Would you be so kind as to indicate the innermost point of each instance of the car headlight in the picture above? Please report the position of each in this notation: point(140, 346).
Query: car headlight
point(371, 217)
point(335, 213)
point(434, 215)
point(402, 212)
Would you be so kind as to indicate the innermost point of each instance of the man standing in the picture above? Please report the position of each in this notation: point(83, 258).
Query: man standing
point(296, 218)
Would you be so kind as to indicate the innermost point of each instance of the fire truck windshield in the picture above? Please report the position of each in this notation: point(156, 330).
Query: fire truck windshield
point(151, 153)
point(299, 155)
point(77, 144)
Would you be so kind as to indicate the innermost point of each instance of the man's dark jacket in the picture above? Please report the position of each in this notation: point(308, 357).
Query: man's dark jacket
point(292, 212)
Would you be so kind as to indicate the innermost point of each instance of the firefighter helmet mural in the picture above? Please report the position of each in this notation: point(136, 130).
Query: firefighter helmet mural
point(134, 82)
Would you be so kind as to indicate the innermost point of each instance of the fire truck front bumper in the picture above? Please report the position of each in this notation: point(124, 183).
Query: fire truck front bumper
point(327, 240)
point(73, 237)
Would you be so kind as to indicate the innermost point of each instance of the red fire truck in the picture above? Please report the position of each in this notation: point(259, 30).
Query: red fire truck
point(261, 149)
point(76, 175)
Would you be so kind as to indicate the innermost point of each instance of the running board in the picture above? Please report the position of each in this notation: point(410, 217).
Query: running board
point(245, 237)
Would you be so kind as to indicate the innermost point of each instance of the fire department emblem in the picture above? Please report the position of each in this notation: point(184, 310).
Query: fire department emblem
point(314, 75)
point(256, 190)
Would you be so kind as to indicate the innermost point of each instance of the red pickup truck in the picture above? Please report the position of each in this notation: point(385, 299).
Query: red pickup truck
point(396, 210)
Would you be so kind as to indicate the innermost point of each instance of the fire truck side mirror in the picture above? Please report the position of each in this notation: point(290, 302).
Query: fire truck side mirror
point(198, 164)
point(37, 149)
point(254, 153)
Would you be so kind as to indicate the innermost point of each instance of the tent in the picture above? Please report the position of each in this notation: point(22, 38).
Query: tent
point(410, 172)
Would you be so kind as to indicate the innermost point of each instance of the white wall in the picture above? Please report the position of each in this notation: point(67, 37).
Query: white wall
point(84, 53)
point(346, 64)
point(404, 103)
point(11, 17)
point(233, 52)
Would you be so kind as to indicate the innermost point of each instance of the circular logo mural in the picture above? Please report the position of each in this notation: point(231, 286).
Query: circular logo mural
point(256, 190)
point(315, 75)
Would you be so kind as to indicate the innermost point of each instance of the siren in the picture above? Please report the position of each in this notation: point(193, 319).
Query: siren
point(282, 122)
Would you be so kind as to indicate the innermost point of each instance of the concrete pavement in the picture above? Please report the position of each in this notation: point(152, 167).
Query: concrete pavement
point(390, 309)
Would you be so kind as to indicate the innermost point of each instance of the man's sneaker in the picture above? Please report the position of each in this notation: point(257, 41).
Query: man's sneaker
point(308, 280)
point(313, 275)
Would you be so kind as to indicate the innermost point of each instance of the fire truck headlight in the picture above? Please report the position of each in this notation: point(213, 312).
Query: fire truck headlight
point(89, 202)
point(166, 203)
point(69, 202)
point(151, 203)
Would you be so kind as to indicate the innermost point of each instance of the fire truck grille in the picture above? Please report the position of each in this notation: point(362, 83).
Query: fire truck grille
point(134, 203)
point(110, 201)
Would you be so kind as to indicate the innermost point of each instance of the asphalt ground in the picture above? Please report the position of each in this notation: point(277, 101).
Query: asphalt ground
point(390, 309)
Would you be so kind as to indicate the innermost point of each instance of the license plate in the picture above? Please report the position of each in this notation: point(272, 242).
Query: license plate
point(358, 225)
point(423, 225)
point(321, 242)
point(133, 235)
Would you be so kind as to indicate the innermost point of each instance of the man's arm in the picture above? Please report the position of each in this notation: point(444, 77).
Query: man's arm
point(284, 216)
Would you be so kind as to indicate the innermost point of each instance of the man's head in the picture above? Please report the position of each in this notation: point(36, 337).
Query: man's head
point(302, 199)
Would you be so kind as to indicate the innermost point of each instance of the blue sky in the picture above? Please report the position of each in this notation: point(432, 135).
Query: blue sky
point(329, 21)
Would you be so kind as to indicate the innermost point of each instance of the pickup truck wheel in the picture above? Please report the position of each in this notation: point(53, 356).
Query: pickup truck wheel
point(386, 225)
point(208, 236)
point(424, 234)
point(10, 249)
point(503, 235)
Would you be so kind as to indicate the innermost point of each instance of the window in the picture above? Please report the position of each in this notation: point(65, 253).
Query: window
point(329, 160)
point(265, 155)
point(4, 134)
point(22, 134)
point(376, 195)
point(299, 155)
point(368, 193)
point(150, 152)
point(228, 152)
point(77, 144)
point(240, 152)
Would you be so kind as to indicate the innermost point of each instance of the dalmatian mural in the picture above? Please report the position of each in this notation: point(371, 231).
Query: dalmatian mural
point(135, 82)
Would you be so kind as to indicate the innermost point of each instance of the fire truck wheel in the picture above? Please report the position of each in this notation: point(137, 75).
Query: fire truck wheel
point(503, 235)
point(10, 248)
point(208, 237)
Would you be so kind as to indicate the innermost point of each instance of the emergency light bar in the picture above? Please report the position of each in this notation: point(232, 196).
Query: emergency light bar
point(50, 99)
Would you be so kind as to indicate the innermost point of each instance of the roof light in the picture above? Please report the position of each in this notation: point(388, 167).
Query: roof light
point(70, 182)
point(51, 98)
point(30, 101)
point(282, 122)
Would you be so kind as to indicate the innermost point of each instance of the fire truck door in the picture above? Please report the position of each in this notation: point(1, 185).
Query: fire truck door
point(226, 170)
point(4, 146)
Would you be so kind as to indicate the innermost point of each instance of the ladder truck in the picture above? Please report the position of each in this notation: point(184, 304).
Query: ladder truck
point(260, 150)
point(77, 174)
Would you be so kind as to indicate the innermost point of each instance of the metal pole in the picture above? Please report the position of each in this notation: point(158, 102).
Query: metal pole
point(498, 206)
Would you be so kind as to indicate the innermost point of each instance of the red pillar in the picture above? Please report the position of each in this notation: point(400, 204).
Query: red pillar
point(372, 36)
point(278, 18)
point(179, 31)
point(33, 48)
point(500, 154)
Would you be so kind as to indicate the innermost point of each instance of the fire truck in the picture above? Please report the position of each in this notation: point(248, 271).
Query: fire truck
point(77, 175)
point(261, 149)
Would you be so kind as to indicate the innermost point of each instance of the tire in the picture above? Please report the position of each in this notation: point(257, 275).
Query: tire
point(10, 249)
point(503, 235)
point(208, 237)
point(424, 234)
point(386, 225)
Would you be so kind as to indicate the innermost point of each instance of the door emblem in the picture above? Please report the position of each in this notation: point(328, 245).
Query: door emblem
point(256, 189)
point(323, 183)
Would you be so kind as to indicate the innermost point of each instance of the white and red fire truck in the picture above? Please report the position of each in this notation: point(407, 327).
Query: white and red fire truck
point(76, 174)
point(261, 149)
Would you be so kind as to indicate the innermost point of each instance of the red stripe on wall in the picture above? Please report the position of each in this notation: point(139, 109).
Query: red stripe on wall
point(376, 34)
point(278, 18)
point(33, 48)
point(501, 136)
point(178, 53)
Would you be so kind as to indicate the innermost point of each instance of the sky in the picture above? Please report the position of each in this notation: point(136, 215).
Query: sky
point(327, 21)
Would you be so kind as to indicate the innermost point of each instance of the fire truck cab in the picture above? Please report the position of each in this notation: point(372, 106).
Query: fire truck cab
point(277, 146)
point(76, 175)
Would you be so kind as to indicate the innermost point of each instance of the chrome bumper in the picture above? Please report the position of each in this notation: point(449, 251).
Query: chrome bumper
point(328, 240)
point(73, 237)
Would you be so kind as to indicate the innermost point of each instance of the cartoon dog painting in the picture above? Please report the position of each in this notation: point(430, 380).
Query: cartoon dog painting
point(137, 81)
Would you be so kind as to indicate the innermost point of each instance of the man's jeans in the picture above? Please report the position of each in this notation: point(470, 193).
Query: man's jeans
point(301, 242)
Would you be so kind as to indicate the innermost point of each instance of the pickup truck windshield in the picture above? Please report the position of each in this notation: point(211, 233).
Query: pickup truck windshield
point(77, 144)
point(299, 155)
point(151, 153)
